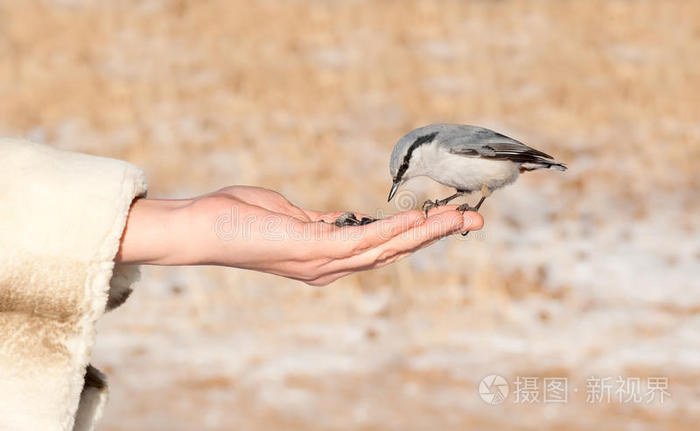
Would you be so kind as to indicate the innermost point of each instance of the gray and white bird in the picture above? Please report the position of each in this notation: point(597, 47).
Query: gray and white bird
point(468, 158)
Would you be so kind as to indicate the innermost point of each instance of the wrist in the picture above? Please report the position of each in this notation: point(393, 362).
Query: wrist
point(155, 232)
point(212, 223)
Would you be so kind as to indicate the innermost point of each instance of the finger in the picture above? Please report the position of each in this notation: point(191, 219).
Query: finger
point(408, 241)
point(472, 221)
point(434, 228)
point(441, 209)
point(347, 241)
point(371, 235)
point(441, 223)
point(329, 278)
point(326, 240)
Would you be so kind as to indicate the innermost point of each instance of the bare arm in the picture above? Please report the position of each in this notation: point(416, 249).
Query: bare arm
point(255, 228)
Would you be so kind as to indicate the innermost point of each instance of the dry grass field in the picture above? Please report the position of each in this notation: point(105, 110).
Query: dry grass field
point(589, 273)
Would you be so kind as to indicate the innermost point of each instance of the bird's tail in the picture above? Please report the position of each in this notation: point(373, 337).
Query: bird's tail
point(542, 165)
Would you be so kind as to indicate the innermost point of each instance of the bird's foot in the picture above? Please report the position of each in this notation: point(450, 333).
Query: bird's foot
point(428, 205)
point(466, 207)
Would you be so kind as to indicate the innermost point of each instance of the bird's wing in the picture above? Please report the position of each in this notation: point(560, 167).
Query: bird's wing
point(492, 145)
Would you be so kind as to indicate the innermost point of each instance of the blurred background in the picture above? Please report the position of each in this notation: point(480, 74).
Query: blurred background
point(591, 272)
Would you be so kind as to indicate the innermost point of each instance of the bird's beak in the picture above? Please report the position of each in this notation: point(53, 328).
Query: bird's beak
point(393, 191)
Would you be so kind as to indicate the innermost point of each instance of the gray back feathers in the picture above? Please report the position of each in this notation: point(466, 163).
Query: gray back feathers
point(468, 141)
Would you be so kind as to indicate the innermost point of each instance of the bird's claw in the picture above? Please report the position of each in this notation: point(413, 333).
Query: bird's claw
point(466, 207)
point(428, 205)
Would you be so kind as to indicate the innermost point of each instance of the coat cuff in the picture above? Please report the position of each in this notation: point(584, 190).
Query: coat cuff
point(62, 218)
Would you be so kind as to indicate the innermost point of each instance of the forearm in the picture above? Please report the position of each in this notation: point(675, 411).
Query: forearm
point(156, 233)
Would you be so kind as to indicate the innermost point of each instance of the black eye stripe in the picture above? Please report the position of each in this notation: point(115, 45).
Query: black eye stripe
point(425, 139)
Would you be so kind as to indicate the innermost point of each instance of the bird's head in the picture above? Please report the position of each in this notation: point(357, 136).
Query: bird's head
point(405, 159)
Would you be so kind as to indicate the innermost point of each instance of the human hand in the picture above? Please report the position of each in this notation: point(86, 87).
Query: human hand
point(254, 228)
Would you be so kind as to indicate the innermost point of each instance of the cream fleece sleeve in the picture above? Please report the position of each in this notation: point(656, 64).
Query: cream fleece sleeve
point(62, 215)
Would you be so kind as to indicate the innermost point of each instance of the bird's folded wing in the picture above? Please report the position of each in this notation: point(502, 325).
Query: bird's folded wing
point(498, 147)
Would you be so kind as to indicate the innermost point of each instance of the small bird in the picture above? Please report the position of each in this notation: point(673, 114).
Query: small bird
point(468, 158)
